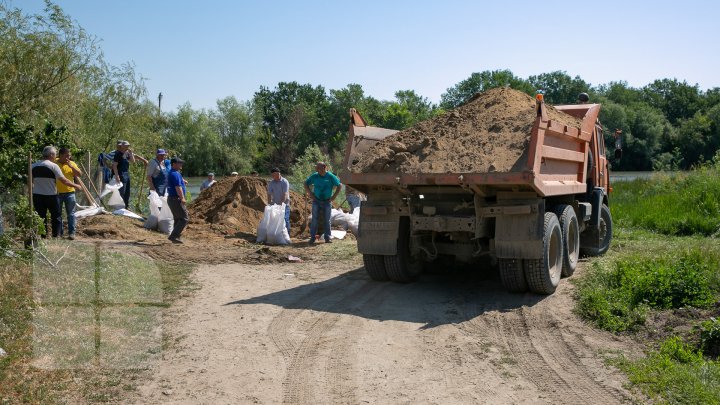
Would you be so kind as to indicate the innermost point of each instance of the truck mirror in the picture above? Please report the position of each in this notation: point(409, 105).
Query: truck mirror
point(618, 154)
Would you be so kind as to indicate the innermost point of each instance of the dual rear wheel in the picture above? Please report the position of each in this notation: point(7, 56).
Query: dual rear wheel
point(561, 247)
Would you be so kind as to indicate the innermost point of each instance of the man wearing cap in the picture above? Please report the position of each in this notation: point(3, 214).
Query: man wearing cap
point(157, 172)
point(121, 168)
point(322, 194)
point(66, 195)
point(45, 173)
point(279, 192)
point(208, 182)
point(176, 199)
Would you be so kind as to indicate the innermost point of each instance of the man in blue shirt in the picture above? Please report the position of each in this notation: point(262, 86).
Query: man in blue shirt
point(176, 199)
point(322, 194)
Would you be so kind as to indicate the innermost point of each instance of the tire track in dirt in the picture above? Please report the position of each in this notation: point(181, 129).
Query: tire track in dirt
point(302, 357)
point(547, 337)
point(469, 366)
point(543, 360)
point(548, 358)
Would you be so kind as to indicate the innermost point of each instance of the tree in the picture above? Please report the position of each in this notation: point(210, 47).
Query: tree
point(294, 116)
point(47, 61)
point(677, 100)
point(559, 87)
point(478, 82)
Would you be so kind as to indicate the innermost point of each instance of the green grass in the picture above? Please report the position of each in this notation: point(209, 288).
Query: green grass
point(681, 204)
point(84, 330)
point(675, 373)
point(665, 255)
point(645, 274)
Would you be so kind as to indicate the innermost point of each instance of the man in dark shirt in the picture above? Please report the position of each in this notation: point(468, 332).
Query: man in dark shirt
point(121, 168)
point(176, 199)
point(45, 174)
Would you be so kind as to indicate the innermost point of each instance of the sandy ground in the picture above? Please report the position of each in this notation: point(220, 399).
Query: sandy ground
point(321, 332)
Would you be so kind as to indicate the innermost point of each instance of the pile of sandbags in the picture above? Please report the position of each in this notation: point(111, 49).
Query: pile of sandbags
point(348, 221)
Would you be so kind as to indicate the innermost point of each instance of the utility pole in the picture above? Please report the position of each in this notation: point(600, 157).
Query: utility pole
point(160, 103)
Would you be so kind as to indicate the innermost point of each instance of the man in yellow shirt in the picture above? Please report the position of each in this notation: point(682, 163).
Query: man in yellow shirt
point(66, 194)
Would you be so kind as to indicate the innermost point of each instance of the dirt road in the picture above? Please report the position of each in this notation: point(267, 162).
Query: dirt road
point(319, 332)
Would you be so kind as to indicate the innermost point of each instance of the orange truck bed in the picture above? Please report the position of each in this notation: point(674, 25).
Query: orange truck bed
point(556, 159)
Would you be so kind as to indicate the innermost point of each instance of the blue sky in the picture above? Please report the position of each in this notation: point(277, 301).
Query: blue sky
point(201, 51)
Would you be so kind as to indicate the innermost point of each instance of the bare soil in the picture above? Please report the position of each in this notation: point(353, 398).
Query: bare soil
point(490, 133)
point(236, 205)
point(322, 332)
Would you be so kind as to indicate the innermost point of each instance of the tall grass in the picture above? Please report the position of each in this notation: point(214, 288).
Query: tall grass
point(680, 204)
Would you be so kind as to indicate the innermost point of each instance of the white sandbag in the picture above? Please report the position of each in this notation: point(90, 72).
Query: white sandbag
point(88, 212)
point(155, 203)
point(151, 222)
point(116, 202)
point(337, 218)
point(165, 213)
point(272, 228)
point(126, 213)
point(263, 225)
point(338, 234)
point(165, 226)
point(110, 187)
point(353, 221)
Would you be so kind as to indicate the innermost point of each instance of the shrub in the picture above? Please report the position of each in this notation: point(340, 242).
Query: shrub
point(710, 337)
point(616, 296)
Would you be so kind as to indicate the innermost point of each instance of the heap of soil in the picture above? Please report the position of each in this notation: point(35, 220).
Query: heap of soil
point(237, 204)
point(490, 133)
point(112, 227)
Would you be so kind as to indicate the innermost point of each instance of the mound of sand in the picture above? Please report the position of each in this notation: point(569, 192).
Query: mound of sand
point(238, 203)
point(488, 134)
point(112, 227)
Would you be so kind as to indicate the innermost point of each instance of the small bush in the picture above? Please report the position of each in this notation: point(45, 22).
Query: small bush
point(710, 337)
point(616, 296)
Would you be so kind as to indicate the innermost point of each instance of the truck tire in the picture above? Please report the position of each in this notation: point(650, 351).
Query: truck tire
point(401, 267)
point(512, 275)
point(571, 238)
point(543, 275)
point(375, 267)
point(601, 237)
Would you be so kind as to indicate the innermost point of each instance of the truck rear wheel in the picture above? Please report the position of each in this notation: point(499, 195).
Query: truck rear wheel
point(375, 267)
point(601, 237)
point(512, 275)
point(401, 267)
point(571, 238)
point(543, 275)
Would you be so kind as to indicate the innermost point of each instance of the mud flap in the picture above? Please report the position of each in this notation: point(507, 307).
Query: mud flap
point(377, 235)
point(520, 236)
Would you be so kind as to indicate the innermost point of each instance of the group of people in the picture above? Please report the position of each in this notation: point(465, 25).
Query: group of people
point(56, 178)
point(323, 187)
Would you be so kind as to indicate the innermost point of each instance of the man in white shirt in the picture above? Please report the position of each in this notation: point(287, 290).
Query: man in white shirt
point(279, 192)
point(45, 195)
point(208, 182)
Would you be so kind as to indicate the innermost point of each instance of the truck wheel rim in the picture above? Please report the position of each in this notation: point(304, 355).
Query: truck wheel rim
point(555, 254)
point(572, 241)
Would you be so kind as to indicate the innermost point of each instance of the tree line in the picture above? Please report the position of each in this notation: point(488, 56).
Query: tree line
point(57, 88)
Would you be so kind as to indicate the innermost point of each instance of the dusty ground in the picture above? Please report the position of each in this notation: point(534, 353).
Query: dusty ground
point(323, 332)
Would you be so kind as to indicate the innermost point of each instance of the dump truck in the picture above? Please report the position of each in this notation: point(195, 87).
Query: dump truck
point(533, 221)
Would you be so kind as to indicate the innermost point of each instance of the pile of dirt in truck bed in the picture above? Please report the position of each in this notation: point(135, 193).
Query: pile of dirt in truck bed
point(237, 204)
point(490, 133)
